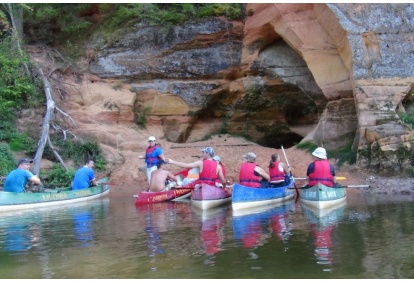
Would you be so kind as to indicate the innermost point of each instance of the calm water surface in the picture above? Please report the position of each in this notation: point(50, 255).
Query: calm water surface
point(369, 236)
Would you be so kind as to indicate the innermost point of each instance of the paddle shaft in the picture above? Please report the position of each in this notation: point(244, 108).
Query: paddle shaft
point(293, 179)
point(350, 186)
point(338, 178)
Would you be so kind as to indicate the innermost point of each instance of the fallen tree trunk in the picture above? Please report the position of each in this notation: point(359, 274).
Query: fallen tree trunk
point(50, 106)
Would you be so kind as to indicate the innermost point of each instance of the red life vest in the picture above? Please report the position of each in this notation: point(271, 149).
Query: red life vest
point(247, 177)
point(150, 156)
point(209, 173)
point(275, 174)
point(321, 173)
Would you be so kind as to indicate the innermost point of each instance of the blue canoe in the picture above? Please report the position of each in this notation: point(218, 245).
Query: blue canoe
point(246, 197)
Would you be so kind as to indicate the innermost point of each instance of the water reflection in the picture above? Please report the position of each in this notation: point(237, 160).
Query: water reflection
point(211, 227)
point(251, 225)
point(323, 222)
point(160, 218)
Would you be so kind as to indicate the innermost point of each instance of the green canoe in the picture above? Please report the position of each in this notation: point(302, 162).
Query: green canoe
point(15, 201)
point(321, 196)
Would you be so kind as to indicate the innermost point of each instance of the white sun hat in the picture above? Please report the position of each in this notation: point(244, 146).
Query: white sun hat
point(320, 152)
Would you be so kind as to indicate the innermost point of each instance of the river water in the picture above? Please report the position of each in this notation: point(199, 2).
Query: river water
point(369, 236)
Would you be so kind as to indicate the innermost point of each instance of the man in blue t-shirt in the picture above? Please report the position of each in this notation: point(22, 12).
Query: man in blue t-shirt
point(85, 176)
point(17, 179)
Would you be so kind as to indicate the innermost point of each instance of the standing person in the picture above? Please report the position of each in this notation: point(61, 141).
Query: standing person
point(223, 169)
point(278, 172)
point(18, 178)
point(159, 178)
point(251, 175)
point(84, 176)
point(153, 156)
point(320, 171)
point(209, 169)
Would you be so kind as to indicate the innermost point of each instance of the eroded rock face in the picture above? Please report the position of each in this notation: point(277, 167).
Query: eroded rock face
point(332, 74)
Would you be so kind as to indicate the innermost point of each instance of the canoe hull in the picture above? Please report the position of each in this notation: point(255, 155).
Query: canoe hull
point(17, 201)
point(246, 197)
point(187, 180)
point(207, 196)
point(152, 197)
point(320, 196)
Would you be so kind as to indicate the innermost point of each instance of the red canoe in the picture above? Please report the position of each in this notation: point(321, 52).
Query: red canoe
point(187, 179)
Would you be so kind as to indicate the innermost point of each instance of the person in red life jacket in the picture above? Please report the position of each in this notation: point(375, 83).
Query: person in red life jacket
point(153, 156)
point(278, 172)
point(209, 169)
point(223, 169)
point(251, 175)
point(320, 171)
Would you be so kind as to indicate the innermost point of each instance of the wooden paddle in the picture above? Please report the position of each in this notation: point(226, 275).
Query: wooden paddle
point(291, 174)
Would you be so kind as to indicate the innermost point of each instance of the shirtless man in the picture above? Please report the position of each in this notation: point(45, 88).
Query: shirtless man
point(159, 177)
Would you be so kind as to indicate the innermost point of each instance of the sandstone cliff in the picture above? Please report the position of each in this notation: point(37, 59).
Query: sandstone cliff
point(333, 74)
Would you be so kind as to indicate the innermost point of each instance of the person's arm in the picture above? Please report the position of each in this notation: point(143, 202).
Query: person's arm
point(162, 157)
point(194, 164)
point(94, 182)
point(221, 176)
point(262, 173)
point(35, 179)
point(171, 176)
point(286, 168)
point(333, 174)
point(310, 170)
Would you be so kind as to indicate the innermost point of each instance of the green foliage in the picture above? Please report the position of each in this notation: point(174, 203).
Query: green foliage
point(223, 125)
point(59, 177)
point(80, 151)
point(307, 146)
point(231, 11)
point(342, 155)
point(140, 116)
point(408, 117)
point(126, 15)
point(17, 89)
point(7, 161)
point(254, 99)
point(409, 171)
point(21, 142)
point(67, 17)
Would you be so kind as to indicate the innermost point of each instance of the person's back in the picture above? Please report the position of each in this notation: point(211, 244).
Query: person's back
point(16, 180)
point(247, 176)
point(159, 178)
point(320, 171)
point(84, 176)
point(209, 173)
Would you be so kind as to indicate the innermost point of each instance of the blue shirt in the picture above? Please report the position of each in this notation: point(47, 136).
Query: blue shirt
point(154, 157)
point(16, 180)
point(83, 178)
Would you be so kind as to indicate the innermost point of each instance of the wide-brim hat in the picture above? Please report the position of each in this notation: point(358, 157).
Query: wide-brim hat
point(320, 152)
